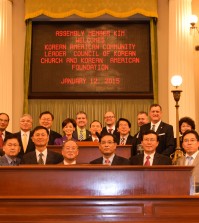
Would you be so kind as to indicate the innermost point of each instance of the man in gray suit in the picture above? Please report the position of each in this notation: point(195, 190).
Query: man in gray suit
point(149, 142)
point(190, 143)
point(11, 149)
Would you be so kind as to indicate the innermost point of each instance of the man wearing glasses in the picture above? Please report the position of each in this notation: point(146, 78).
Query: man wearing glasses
point(107, 147)
point(149, 142)
point(109, 119)
point(190, 143)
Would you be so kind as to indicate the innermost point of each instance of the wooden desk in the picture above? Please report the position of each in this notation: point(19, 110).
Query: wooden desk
point(89, 151)
point(86, 193)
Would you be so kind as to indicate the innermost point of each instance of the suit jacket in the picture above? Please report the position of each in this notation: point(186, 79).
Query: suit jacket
point(159, 159)
point(30, 146)
point(75, 135)
point(53, 135)
point(104, 131)
point(129, 140)
point(52, 158)
point(166, 137)
point(4, 161)
point(117, 160)
point(7, 133)
point(195, 172)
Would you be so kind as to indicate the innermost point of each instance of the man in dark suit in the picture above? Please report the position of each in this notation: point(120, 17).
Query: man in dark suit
point(46, 119)
point(150, 141)
point(107, 148)
point(4, 121)
point(165, 131)
point(109, 119)
point(81, 133)
point(11, 149)
point(123, 137)
point(24, 135)
point(95, 130)
point(41, 155)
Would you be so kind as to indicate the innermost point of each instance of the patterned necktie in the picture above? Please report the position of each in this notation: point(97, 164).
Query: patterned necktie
point(41, 161)
point(107, 162)
point(147, 163)
point(24, 142)
point(110, 131)
point(153, 128)
point(81, 137)
point(13, 163)
point(1, 139)
point(189, 160)
point(122, 140)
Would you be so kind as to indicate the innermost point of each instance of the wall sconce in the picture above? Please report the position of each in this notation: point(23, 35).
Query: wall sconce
point(193, 20)
point(176, 81)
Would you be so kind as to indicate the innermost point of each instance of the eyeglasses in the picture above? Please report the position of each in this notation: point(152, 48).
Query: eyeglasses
point(190, 140)
point(108, 143)
point(109, 116)
point(70, 149)
point(149, 140)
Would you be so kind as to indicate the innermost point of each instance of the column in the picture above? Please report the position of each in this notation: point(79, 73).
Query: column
point(181, 59)
point(6, 58)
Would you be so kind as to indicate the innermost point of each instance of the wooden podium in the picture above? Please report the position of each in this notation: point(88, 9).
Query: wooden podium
point(86, 193)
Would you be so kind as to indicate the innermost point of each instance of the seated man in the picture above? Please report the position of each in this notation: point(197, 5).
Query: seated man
point(41, 155)
point(107, 148)
point(69, 152)
point(123, 137)
point(149, 142)
point(11, 149)
point(190, 143)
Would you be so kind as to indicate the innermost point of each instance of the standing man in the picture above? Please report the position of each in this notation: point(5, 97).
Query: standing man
point(190, 143)
point(24, 135)
point(46, 120)
point(150, 141)
point(164, 131)
point(4, 121)
point(95, 129)
point(142, 118)
point(108, 147)
point(123, 137)
point(69, 152)
point(11, 149)
point(81, 133)
point(109, 119)
point(41, 155)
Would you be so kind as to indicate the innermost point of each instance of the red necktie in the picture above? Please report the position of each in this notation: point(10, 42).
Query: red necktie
point(1, 139)
point(107, 162)
point(110, 130)
point(147, 163)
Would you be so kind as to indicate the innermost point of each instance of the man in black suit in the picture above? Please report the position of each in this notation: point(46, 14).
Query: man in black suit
point(109, 119)
point(150, 141)
point(81, 133)
point(24, 135)
point(107, 148)
point(4, 121)
point(95, 130)
point(123, 137)
point(165, 131)
point(46, 119)
point(41, 155)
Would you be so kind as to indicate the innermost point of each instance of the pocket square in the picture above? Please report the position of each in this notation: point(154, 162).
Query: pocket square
point(161, 134)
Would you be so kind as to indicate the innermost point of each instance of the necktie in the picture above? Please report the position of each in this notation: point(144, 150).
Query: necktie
point(122, 140)
point(147, 163)
point(81, 137)
point(189, 160)
point(41, 161)
point(13, 163)
point(1, 139)
point(110, 131)
point(153, 128)
point(24, 142)
point(107, 162)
